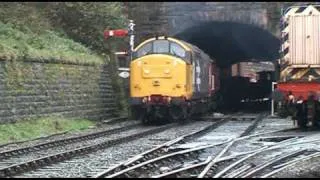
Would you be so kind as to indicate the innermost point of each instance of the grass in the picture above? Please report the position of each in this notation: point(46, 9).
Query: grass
point(27, 130)
point(46, 46)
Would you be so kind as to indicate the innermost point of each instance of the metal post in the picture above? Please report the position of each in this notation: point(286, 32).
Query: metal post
point(272, 101)
point(131, 35)
point(130, 52)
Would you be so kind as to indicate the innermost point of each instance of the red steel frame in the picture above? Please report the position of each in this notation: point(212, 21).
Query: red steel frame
point(300, 88)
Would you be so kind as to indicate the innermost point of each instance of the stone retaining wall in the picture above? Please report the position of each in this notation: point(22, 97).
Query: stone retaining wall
point(33, 90)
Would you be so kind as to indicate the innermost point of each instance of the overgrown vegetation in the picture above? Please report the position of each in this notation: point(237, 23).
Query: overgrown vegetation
point(118, 85)
point(86, 21)
point(69, 32)
point(44, 47)
point(27, 130)
point(59, 31)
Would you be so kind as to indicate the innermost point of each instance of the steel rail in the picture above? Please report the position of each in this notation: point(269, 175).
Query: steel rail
point(201, 164)
point(214, 160)
point(218, 158)
point(110, 121)
point(125, 167)
point(43, 161)
point(161, 158)
point(244, 134)
point(250, 128)
point(238, 171)
point(266, 164)
point(145, 156)
point(250, 155)
point(291, 163)
point(60, 142)
point(264, 149)
point(221, 159)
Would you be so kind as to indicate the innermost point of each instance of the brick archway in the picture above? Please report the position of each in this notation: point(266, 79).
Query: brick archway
point(231, 42)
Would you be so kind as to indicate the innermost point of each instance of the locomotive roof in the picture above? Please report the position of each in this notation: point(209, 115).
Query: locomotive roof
point(196, 49)
point(184, 44)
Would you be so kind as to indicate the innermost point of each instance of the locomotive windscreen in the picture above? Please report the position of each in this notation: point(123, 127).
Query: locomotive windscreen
point(162, 46)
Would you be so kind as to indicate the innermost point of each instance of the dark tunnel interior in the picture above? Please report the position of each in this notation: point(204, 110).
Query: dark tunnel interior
point(230, 43)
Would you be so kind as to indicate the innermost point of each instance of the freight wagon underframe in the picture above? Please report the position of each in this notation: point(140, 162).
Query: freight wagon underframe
point(301, 100)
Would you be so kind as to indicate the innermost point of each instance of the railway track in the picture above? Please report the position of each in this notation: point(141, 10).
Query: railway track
point(62, 142)
point(159, 150)
point(112, 124)
point(215, 166)
point(166, 156)
point(217, 159)
point(217, 154)
point(21, 160)
point(279, 156)
point(106, 155)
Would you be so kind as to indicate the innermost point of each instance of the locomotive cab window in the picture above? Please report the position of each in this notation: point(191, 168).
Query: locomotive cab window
point(162, 46)
point(144, 50)
point(177, 50)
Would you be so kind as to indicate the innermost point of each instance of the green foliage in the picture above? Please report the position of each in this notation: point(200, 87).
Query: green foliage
point(68, 32)
point(43, 30)
point(27, 130)
point(86, 21)
point(46, 47)
point(118, 87)
point(24, 16)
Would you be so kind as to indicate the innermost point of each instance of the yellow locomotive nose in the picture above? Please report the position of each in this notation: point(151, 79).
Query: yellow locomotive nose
point(156, 83)
point(158, 74)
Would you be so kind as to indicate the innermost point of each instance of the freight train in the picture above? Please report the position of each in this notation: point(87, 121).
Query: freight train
point(239, 93)
point(171, 80)
point(298, 88)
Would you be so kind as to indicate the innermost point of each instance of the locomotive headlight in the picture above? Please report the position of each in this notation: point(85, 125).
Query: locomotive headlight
point(169, 99)
point(144, 100)
point(146, 71)
point(166, 71)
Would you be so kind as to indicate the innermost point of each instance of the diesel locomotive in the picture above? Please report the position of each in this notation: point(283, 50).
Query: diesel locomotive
point(171, 80)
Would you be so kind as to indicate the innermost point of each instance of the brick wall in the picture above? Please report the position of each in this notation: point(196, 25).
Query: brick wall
point(170, 18)
point(33, 90)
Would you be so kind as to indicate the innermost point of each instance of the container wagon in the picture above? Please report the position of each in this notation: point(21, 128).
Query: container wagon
point(299, 82)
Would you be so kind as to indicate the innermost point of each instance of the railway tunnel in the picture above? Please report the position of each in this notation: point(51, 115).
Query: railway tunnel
point(230, 32)
point(230, 43)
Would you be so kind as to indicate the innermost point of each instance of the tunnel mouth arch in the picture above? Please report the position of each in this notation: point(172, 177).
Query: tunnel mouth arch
point(232, 42)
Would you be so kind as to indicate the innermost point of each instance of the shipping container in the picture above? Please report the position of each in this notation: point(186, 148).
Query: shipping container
point(300, 44)
point(251, 69)
point(266, 76)
point(302, 36)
